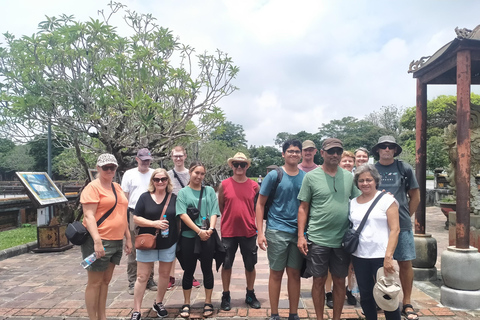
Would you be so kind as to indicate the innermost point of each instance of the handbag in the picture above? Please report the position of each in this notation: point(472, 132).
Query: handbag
point(193, 212)
point(76, 232)
point(147, 241)
point(351, 237)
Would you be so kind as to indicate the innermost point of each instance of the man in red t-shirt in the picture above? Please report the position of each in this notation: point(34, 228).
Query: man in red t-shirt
point(236, 201)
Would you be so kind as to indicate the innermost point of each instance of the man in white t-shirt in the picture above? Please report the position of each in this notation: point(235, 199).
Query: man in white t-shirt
point(180, 177)
point(135, 182)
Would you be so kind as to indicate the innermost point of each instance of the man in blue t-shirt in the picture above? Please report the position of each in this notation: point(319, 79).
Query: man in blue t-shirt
point(398, 179)
point(281, 229)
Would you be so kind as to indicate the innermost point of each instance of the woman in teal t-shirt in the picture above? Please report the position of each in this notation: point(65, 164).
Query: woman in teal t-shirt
point(189, 197)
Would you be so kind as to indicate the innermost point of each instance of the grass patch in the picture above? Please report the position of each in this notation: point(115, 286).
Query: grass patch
point(15, 237)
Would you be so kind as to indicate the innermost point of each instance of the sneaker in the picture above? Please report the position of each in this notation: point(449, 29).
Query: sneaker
point(171, 283)
point(329, 297)
point(274, 317)
point(293, 317)
point(136, 316)
point(251, 300)
point(160, 309)
point(130, 289)
point(225, 305)
point(151, 285)
point(351, 300)
point(195, 283)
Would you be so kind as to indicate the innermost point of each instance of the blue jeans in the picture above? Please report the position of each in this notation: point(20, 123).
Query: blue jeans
point(366, 273)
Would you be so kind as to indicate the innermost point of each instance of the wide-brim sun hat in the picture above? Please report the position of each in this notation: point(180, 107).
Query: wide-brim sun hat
point(105, 159)
point(386, 291)
point(239, 157)
point(386, 139)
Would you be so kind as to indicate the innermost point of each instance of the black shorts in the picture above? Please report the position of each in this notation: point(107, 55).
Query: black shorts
point(321, 259)
point(248, 248)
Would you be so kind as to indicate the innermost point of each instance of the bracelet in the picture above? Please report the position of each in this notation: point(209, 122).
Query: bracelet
point(199, 232)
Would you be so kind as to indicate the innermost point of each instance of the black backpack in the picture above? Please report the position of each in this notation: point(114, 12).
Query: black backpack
point(271, 196)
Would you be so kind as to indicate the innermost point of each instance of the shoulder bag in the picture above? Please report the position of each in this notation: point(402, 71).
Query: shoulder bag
point(351, 238)
point(76, 232)
point(147, 241)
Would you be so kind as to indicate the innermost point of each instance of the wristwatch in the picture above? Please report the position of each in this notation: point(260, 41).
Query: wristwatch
point(211, 228)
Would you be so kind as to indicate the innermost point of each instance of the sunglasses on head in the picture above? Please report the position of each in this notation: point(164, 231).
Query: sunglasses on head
point(163, 180)
point(110, 167)
point(239, 164)
point(332, 151)
point(384, 146)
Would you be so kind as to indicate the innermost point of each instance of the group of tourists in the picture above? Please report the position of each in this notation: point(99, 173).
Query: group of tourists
point(299, 215)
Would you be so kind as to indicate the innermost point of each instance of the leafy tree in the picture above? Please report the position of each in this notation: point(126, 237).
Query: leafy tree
point(354, 133)
point(231, 134)
point(38, 149)
point(301, 136)
point(262, 157)
point(388, 118)
point(437, 156)
point(214, 155)
point(104, 92)
point(19, 159)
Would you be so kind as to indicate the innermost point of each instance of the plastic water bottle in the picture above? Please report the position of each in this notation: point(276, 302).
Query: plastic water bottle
point(355, 289)
point(89, 260)
point(205, 225)
point(164, 233)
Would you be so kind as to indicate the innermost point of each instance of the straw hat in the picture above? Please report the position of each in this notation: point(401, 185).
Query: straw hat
point(239, 157)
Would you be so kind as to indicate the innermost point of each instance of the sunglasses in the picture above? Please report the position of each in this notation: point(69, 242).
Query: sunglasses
point(163, 180)
point(239, 164)
point(332, 151)
point(384, 146)
point(111, 167)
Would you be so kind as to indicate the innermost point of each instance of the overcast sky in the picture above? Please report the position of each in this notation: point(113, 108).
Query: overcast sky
point(302, 63)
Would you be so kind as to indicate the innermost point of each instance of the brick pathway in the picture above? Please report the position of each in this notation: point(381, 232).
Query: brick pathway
point(51, 286)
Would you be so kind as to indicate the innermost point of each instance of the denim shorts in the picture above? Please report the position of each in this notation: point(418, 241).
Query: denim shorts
point(113, 254)
point(405, 250)
point(282, 250)
point(162, 255)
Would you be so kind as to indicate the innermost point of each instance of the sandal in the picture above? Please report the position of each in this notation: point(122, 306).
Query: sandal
point(407, 314)
point(185, 311)
point(207, 310)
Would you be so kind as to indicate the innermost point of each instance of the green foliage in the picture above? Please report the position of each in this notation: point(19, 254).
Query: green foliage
point(437, 155)
point(18, 236)
point(231, 134)
point(387, 118)
point(38, 150)
point(354, 133)
point(19, 159)
point(262, 157)
point(214, 155)
point(105, 92)
point(68, 165)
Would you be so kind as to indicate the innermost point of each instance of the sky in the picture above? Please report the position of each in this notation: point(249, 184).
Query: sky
point(302, 63)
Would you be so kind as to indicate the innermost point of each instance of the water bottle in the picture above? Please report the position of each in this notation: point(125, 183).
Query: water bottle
point(205, 225)
point(89, 260)
point(164, 233)
point(355, 289)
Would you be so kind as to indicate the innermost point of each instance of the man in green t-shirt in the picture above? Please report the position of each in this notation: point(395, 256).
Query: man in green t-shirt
point(324, 200)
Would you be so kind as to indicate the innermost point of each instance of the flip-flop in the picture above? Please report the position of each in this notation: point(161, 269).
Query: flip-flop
point(185, 311)
point(208, 308)
point(406, 314)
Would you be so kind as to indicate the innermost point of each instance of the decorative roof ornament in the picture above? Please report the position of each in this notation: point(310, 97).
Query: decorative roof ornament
point(463, 33)
point(415, 65)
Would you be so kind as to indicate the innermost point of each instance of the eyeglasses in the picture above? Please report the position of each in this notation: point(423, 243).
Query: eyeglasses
point(332, 151)
point(384, 146)
point(163, 180)
point(180, 156)
point(365, 180)
point(294, 151)
point(111, 167)
point(239, 164)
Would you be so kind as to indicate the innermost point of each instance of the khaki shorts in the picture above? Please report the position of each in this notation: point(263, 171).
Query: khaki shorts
point(282, 250)
point(113, 254)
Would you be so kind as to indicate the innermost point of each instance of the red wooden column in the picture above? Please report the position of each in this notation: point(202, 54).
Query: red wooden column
point(421, 155)
point(462, 172)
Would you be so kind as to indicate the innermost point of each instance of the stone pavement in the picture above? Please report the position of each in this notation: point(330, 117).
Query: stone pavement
point(51, 286)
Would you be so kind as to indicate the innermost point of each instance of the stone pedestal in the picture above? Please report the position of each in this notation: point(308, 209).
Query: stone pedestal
point(474, 230)
point(426, 252)
point(461, 278)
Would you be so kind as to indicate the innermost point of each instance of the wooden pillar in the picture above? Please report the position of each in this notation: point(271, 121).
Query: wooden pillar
point(421, 155)
point(462, 172)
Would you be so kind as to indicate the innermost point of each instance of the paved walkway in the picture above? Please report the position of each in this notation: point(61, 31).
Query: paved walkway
point(51, 286)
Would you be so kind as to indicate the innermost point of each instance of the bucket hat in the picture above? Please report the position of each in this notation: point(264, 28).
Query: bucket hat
point(386, 291)
point(105, 159)
point(386, 139)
